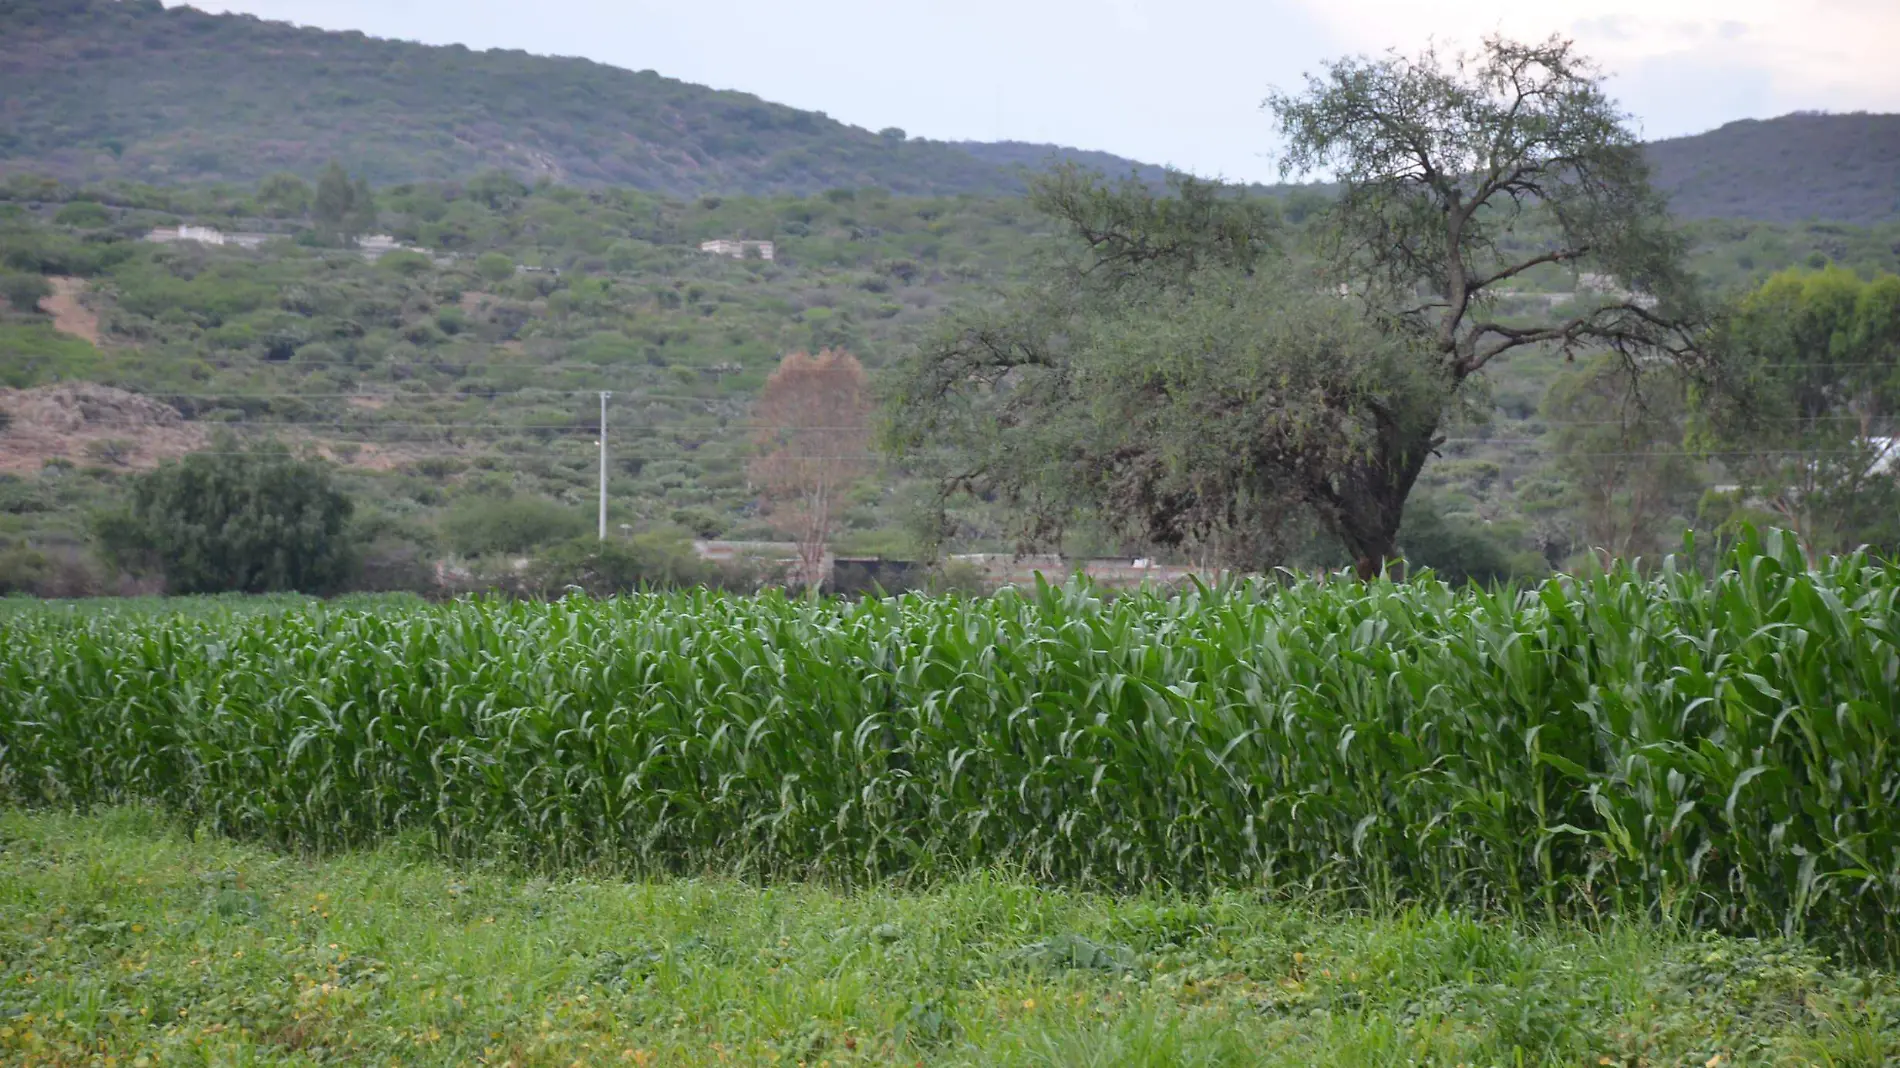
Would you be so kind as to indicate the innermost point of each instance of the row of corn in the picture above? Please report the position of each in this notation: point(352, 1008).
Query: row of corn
point(1714, 746)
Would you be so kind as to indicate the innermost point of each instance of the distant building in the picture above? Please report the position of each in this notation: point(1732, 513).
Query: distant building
point(206, 235)
point(737, 248)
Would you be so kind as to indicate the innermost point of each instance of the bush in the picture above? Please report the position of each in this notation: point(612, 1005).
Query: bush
point(84, 214)
point(22, 571)
point(40, 573)
point(404, 262)
point(24, 291)
point(1460, 549)
point(475, 527)
point(396, 557)
point(653, 560)
point(494, 267)
point(238, 520)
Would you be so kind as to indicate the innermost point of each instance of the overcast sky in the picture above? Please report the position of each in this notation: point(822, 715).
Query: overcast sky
point(1163, 81)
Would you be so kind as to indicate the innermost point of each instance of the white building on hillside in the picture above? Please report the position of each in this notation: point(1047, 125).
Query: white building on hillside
point(206, 235)
point(737, 248)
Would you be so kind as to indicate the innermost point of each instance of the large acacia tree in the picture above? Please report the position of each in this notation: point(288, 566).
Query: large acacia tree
point(1186, 369)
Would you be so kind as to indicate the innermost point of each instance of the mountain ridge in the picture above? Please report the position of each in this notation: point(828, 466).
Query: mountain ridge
point(130, 89)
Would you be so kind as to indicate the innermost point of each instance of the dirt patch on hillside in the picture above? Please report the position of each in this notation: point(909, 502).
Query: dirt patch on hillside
point(70, 316)
point(90, 424)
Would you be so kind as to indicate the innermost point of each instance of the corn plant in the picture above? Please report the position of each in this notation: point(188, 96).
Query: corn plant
point(1717, 748)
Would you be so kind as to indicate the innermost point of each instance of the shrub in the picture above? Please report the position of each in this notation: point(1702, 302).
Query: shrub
point(493, 267)
point(231, 519)
point(602, 568)
point(480, 525)
point(24, 291)
point(84, 214)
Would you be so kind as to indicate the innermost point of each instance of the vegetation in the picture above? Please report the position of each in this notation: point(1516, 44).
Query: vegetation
point(1793, 168)
point(253, 520)
point(1660, 747)
point(815, 441)
point(133, 90)
point(1190, 373)
point(198, 97)
point(121, 938)
point(1809, 426)
point(471, 373)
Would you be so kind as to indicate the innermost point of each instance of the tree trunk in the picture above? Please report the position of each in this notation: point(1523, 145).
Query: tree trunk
point(1366, 503)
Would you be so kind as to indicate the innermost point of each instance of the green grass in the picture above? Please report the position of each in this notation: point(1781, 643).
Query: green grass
point(1716, 751)
point(123, 941)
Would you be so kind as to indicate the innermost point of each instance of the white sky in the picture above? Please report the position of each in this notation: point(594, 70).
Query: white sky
point(1162, 81)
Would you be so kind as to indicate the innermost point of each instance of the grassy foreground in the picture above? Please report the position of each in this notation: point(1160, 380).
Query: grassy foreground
point(123, 942)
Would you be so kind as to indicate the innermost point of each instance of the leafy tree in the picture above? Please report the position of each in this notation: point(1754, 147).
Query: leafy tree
point(1186, 371)
point(1618, 448)
point(1811, 411)
point(494, 267)
point(814, 431)
point(344, 210)
point(84, 214)
point(232, 519)
point(1461, 548)
point(479, 525)
point(1439, 164)
point(362, 215)
point(285, 195)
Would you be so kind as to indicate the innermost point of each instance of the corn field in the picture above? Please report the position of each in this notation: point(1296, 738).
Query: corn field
point(1715, 748)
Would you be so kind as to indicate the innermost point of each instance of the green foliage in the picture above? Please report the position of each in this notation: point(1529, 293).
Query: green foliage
point(1790, 169)
point(22, 571)
point(37, 353)
point(1461, 548)
point(1811, 405)
point(1619, 744)
point(481, 525)
point(601, 568)
point(285, 195)
point(183, 93)
point(494, 267)
point(1618, 446)
point(343, 210)
point(23, 292)
point(988, 969)
point(84, 214)
point(252, 520)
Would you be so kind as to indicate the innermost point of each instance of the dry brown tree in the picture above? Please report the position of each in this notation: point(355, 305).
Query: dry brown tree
point(814, 435)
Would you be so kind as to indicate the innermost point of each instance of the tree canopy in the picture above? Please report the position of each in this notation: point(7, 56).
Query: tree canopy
point(1808, 418)
point(1188, 372)
point(230, 519)
point(813, 432)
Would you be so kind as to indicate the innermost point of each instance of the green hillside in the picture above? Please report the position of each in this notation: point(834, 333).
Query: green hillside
point(1844, 168)
point(103, 88)
point(469, 373)
point(129, 89)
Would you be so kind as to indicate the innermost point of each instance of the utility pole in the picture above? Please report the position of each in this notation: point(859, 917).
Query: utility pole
point(603, 464)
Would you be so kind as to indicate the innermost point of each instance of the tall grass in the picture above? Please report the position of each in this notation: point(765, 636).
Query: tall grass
point(1715, 748)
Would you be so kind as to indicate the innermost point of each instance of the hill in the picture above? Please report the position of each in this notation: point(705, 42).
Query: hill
point(1843, 168)
point(446, 380)
point(107, 89)
point(128, 89)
